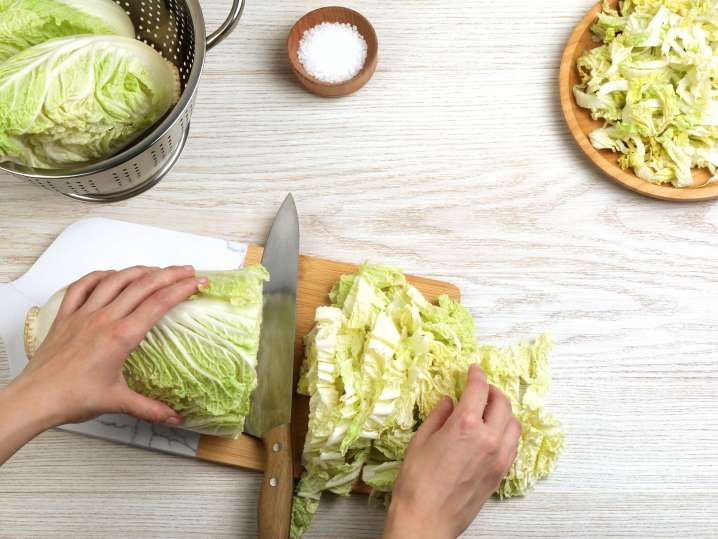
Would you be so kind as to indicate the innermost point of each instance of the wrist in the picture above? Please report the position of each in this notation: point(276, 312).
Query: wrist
point(25, 412)
point(33, 404)
point(405, 522)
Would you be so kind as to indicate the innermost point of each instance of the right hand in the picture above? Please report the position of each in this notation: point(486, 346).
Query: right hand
point(454, 463)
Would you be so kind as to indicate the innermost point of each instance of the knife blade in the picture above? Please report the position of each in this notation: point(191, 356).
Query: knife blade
point(271, 404)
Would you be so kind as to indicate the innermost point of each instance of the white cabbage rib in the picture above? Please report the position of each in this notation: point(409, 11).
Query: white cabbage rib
point(378, 361)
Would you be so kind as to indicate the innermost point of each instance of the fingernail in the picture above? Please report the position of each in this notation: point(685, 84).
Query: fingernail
point(173, 421)
point(478, 371)
point(188, 268)
point(202, 280)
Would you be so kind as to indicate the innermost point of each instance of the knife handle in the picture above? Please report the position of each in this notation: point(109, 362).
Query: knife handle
point(275, 498)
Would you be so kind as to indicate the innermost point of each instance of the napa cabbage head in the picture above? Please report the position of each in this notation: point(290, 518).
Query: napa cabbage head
point(24, 23)
point(378, 361)
point(201, 357)
point(69, 101)
point(653, 80)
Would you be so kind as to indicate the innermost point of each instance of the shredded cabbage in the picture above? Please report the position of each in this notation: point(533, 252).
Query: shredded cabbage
point(378, 361)
point(654, 80)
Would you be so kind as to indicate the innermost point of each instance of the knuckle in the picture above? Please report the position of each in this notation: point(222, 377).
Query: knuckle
point(153, 413)
point(469, 422)
point(490, 443)
point(122, 332)
point(99, 318)
point(74, 289)
point(80, 283)
point(165, 277)
point(149, 279)
point(154, 416)
point(162, 297)
point(138, 270)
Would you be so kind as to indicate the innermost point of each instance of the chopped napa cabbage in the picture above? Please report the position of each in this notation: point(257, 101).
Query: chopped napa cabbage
point(378, 361)
point(654, 81)
point(201, 357)
point(24, 23)
point(72, 100)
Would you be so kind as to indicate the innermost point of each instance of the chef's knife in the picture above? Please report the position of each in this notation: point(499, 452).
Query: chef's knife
point(271, 407)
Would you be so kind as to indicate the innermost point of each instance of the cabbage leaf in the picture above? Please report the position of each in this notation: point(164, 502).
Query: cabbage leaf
point(201, 357)
point(72, 100)
point(24, 23)
point(377, 362)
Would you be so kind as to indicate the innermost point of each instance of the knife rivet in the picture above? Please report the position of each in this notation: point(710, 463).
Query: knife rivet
point(273, 482)
point(276, 447)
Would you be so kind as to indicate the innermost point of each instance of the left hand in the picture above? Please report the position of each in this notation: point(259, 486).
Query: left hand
point(76, 374)
point(102, 318)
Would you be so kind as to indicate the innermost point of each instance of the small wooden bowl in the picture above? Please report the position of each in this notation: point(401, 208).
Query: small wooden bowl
point(333, 14)
point(581, 124)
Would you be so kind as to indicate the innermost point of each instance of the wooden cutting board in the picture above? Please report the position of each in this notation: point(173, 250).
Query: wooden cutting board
point(316, 277)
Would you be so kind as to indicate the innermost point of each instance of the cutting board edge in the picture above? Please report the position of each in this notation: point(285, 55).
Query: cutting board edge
point(247, 452)
point(254, 256)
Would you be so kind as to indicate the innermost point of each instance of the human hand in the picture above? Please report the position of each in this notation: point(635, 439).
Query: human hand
point(76, 374)
point(454, 463)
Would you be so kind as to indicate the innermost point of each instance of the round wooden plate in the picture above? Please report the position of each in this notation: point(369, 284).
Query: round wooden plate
point(580, 124)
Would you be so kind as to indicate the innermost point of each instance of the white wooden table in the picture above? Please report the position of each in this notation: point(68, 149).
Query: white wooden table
point(454, 163)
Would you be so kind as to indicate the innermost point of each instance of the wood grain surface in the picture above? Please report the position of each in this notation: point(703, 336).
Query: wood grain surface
point(580, 124)
point(316, 278)
point(454, 163)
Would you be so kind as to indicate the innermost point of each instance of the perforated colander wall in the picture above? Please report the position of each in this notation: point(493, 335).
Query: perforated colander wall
point(168, 26)
point(165, 25)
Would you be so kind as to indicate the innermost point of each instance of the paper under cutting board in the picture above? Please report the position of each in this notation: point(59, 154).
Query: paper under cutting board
point(93, 244)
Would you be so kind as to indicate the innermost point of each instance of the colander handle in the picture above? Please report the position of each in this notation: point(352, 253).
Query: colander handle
point(228, 25)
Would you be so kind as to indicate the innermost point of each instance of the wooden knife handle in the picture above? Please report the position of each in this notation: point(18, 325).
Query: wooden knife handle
point(275, 498)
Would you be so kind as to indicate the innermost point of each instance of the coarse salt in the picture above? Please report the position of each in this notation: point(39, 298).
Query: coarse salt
point(332, 52)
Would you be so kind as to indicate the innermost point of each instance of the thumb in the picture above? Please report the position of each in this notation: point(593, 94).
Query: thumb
point(434, 421)
point(149, 409)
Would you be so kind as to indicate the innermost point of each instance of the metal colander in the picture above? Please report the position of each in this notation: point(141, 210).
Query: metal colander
point(176, 29)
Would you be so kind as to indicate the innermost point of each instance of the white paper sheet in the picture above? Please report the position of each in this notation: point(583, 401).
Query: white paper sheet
point(92, 244)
